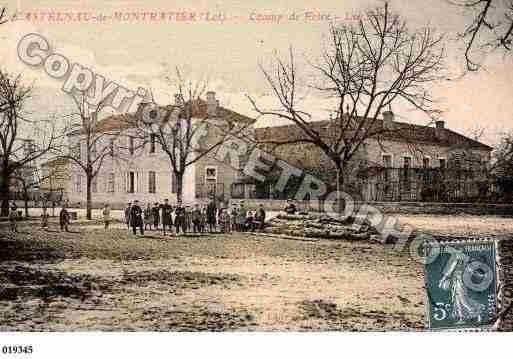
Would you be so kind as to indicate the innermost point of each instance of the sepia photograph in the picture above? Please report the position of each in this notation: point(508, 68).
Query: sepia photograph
point(279, 173)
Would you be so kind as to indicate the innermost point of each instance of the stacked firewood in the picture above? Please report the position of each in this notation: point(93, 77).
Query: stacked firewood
point(324, 227)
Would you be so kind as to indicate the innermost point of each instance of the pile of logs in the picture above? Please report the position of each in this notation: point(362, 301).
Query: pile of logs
point(324, 227)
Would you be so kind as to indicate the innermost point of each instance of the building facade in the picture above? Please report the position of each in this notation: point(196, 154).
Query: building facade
point(139, 169)
point(407, 163)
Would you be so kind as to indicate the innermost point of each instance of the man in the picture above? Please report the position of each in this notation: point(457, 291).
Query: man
point(211, 216)
point(290, 208)
point(167, 220)
point(180, 219)
point(156, 215)
point(106, 215)
point(136, 218)
point(127, 214)
point(196, 219)
point(148, 217)
point(64, 219)
point(260, 217)
point(243, 213)
point(234, 215)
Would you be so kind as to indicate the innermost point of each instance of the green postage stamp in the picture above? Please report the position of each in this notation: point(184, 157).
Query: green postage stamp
point(461, 285)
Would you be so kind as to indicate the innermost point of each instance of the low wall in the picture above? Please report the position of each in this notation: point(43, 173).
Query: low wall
point(391, 207)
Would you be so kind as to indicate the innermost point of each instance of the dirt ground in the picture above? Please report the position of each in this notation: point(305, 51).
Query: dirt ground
point(94, 279)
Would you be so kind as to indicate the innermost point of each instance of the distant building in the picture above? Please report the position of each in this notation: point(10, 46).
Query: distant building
point(56, 178)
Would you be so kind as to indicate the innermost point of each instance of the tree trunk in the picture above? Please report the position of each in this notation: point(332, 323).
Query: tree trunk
point(26, 200)
point(179, 187)
point(4, 194)
point(89, 197)
point(341, 205)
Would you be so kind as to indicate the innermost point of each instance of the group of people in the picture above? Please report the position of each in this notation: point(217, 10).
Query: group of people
point(190, 219)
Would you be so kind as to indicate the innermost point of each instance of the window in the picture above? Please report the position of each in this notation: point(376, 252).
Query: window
point(111, 148)
point(425, 162)
point(131, 145)
point(442, 162)
point(211, 174)
point(78, 184)
point(387, 161)
point(406, 162)
point(111, 183)
point(131, 182)
point(152, 143)
point(152, 184)
point(94, 185)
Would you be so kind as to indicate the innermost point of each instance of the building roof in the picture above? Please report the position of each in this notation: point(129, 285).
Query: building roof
point(199, 110)
point(400, 131)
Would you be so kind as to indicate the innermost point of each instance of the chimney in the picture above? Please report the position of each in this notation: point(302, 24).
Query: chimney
point(388, 119)
point(440, 129)
point(212, 104)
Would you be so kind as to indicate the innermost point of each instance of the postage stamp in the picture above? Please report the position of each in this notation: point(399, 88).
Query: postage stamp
point(461, 285)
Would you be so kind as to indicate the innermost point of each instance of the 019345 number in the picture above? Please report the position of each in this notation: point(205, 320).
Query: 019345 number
point(17, 349)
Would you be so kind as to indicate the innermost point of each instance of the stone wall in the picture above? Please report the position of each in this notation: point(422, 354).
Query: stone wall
point(394, 207)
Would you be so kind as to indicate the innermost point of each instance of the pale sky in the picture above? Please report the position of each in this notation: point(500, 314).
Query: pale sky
point(228, 46)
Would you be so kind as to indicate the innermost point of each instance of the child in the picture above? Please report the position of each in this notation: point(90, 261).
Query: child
point(64, 218)
point(224, 221)
point(148, 217)
point(12, 219)
point(106, 215)
point(196, 219)
point(44, 218)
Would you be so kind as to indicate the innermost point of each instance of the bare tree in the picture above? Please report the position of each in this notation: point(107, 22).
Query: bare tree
point(365, 68)
point(17, 152)
point(490, 28)
point(90, 143)
point(181, 129)
point(502, 167)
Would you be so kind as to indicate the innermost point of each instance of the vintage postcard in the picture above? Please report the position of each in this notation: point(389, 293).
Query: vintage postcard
point(257, 166)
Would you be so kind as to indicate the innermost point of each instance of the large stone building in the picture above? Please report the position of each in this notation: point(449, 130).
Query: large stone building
point(139, 169)
point(406, 162)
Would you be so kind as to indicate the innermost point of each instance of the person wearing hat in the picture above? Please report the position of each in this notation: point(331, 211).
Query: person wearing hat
point(180, 219)
point(148, 216)
point(260, 217)
point(136, 218)
point(167, 219)
point(64, 218)
point(211, 216)
point(127, 214)
point(196, 219)
point(156, 215)
point(234, 215)
point(290, 208)
point(243, 213)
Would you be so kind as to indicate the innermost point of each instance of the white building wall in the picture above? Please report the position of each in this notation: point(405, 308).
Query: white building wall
point(141, 163)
